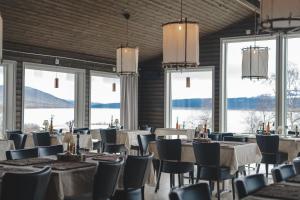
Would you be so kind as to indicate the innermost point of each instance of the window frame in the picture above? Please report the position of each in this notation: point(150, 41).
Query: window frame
point(168, 93)
point(79, 93)
point(100, 74)
point(280, 71)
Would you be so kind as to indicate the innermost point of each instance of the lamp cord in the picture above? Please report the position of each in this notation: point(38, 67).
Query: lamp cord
point(255, 27)
point(180, 10)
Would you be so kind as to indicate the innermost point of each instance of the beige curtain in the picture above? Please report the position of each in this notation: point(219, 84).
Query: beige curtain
point(129, 102)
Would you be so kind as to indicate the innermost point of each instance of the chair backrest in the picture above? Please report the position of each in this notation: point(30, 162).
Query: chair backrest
point(145, 128)
point(41, 139)
point(143, 141)
point(108, 135)
point(201, 150)
point(50, 150)
point(296, 163)
point(31, 186)
point(268, 144)
point(283, 172)
point(198, 191)
point(235, 138)
point(81, 130)
point(291, 133)
point(14, 131)
point(106, 179)
point(249, 184)
point(169, 149)
point(19, 139)
point(136, 171)
point(22, 154)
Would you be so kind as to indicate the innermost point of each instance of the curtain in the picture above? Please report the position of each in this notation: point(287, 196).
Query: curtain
point(129, 102)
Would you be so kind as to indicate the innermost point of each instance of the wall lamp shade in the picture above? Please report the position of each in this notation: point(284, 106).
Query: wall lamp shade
point(255, 62)
point(127, 60)
point(180, 44)
point(1, 38)
point(278, 15)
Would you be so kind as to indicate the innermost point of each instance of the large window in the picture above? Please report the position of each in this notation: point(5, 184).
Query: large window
point(105, 100)
point(293, 83)
point(249, 103)
point(43, 99)
point(190, 98)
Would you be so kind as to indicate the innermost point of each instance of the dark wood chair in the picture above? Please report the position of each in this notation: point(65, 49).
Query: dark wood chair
point(269, 145)
point(50, 150)
point(136, 172)
point(31, 186)
point(22, 154)
point(250, 184)
point(296, 163)
point(282, 173)
point(169, 152)
point(209, 167)
point(199, 191)
point(109, 141)
point(19, 139)
point(41, 139)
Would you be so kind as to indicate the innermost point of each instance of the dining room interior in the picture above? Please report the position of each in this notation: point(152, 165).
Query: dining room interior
point(149, 99)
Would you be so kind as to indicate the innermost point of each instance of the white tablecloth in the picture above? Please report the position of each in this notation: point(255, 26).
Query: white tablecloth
point(85, 141)
point(231, 155)
point(189, 133)
point(129, 137)
point(5, 145)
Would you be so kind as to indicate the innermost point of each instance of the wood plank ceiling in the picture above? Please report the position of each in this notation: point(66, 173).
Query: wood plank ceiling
point(97, 27)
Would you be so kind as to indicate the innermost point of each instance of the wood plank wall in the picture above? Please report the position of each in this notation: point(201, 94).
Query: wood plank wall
point(151, 82)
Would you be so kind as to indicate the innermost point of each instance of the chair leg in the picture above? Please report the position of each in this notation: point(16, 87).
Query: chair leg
point(192, 176)
point(210, 187)
point(233, 189)
point(179, 180)
point(257, 169)
point(218, 189)
point(267, 170)
point(143, 193)
point(159, 175)
point(171, 180)
point(198, 174)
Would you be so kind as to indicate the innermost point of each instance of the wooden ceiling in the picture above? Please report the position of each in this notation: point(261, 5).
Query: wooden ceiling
point(97, 27)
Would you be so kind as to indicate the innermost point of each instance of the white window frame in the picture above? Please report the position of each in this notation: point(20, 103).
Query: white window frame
point(223, 79)
point(168, 94)
point(9, 95)
point(100, 74)
point(79, 93)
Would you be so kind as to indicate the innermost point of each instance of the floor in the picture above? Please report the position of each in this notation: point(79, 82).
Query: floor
point(165, 187)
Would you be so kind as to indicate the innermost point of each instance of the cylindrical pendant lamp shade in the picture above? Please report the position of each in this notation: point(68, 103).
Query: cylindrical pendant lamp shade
point(127, 60)
point(180, 44)
point(279, 14)
point(255, 62)
point(1, 37)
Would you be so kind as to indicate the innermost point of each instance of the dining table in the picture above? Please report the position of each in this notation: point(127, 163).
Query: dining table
point(232, 154)
point(287, 144)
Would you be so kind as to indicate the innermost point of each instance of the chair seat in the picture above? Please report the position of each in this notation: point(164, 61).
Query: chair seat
point(278, 158)
point(130, 194)
point(208, 173)
point(177, 167)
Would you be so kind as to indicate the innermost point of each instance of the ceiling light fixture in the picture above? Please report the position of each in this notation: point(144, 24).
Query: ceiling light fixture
point(180, 43)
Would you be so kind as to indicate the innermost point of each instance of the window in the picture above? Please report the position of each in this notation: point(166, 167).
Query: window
point(42, 100)
point(105, 99)
point(2, 100)
point(191, 105)
point(248, 103)
point(293, 83)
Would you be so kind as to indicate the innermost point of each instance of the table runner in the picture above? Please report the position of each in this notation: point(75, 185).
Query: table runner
point(280, 191)
point(63, 165)
point(106, 157)
point(27, 162)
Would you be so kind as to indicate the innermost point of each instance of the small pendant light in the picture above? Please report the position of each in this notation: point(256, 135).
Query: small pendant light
point(56, 80)
point(114, 87)
point(188, 82)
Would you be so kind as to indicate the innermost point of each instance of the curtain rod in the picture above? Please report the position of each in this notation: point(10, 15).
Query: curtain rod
point(61, 57)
